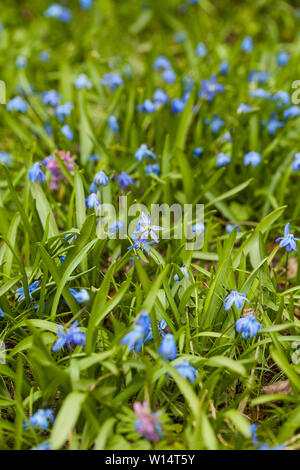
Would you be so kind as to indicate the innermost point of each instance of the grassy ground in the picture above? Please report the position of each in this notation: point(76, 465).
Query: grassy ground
point(93, 387)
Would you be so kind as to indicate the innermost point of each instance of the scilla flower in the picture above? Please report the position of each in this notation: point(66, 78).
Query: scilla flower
point(224, 67)
point(147, 107)
point(17, 104)
point(244, 108)
point(134, 339)
point(32, 287)
point(124, 180)
point(235, 297)
point(92, 201)
point(169, 76)
point(51, 97)
point(292, 112)
point(160, 96)
point(177, 105)
point(144, 228)
point(58, 12)
point(141, 244)
point(113, 80)
point(296, 162)
point(35, 174)
point(143, 152)
point(81, 296)
point(68, 336)
point(199, 227)
point(248, 326)
point(147, 424)
point(154, 168)
point(184, 273)
point(86, 4)
point(223, 159)
point(82, 82)
point(41, 419)
point(167, 348)
point(186, 370)
point(282, 58)
point(63, 110)
point(161, 63)
point(67, 132)
point(201, 50)
point(21, 62)
point(282, 98)
point(210, 88)
point(247, 44)
point(260, 93)
point(197, 152)
point(113, 123)
point(101, 179)
point(6, 158)
point(288, 240)
point(252, 158)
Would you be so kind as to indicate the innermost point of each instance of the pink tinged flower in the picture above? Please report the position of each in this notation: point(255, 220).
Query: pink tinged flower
point(52, 165)
point(147, 424)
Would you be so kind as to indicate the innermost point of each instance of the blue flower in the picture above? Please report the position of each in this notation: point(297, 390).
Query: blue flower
point(124, 180)
point(113, 80)
point(282, 58)
point(116, 226)
point(199, 227)
point(82, 82)
point(144, 228)
point(63, 110)
point(6, 158)
point(247, 44)
point(179, 37)
point(134, 339)
point(41, 419)
point(210, 88)
point(154, 168)
point(254, 438)
point(144, 321)
point(141, 244)
point(296, 162)
point(253, 158)
point(68, 336)
point(267, 447)
point(161, 326)
point(20, 292)
point(93, 158)
point(21, 62)
point(282, 98)
point(186, 370)
point(51, 97)
point(101, 178)
point(184, 273)
point(201, 50)
point(35, 174)
point(147, 107)
point(160, 96)
point(235, 297)
point(216, 124)
point(223, 159)
point(43, 446)
point(230, 227)
point(86, 4)
point(169, 76)
point(113, 123)
point(177, 105)
point(81, 296)
point(17, 104)
point(197, 152)
point(1, 313)
point(58, 12)
point(92, 201)
point(224, 67)
point(260, 93)
point(161, 63)
point(288, 240)
point(248, 326)
point(244, 108)
point(292, 112)
point(167, 348)
point(256, 76)
point(67, 132)
point(44, 56)
point(274, 124)
point(143, 152)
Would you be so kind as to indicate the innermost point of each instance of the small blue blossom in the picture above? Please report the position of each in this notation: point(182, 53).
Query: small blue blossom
point(253, 429)
point(141, 244)
point(143, 152)
point(177, 105)
point(86, 4)
point(199, 227)
point(201, 50)
point(281, 98)
point(35, 174)
point(68, 336)
point(179, 37)
point(134, 339)
point(51, 97)
point(63, 110)
point(43, 446)
point(81, 296)
point(267, 447)
point(252, 158)
point(260, 93)
point(1, 313)
point(147, 107)
point(144, 228)
point(248, 326)
point(274, 124)
point(58, 12)
point(282, 58)
point(113, 123)
point(6, 158)
point(67, 132)
point(82, 82)
point(161, 63)
point(21, 62)
point(223, 159)
point(124, 180)
point(210, 88)
point(153, 168)
point(167, 348)
point(224, 67)
point(247, 44)
point(288, 240)
point(186, 370)
point(244, 108)
point(44, 56)
point(235, 297)
point(292, 112)
point(230, 227)
point(256, 76)
point(92, 201)
point(17, 104)
point(216, 124)
point(101, 179)
point(184, 273)
point(197, 152)
point(93, 158)
point(41, 419)
point(113, 80)
point(296, 162)
point(169, 76)
point(160, 97)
